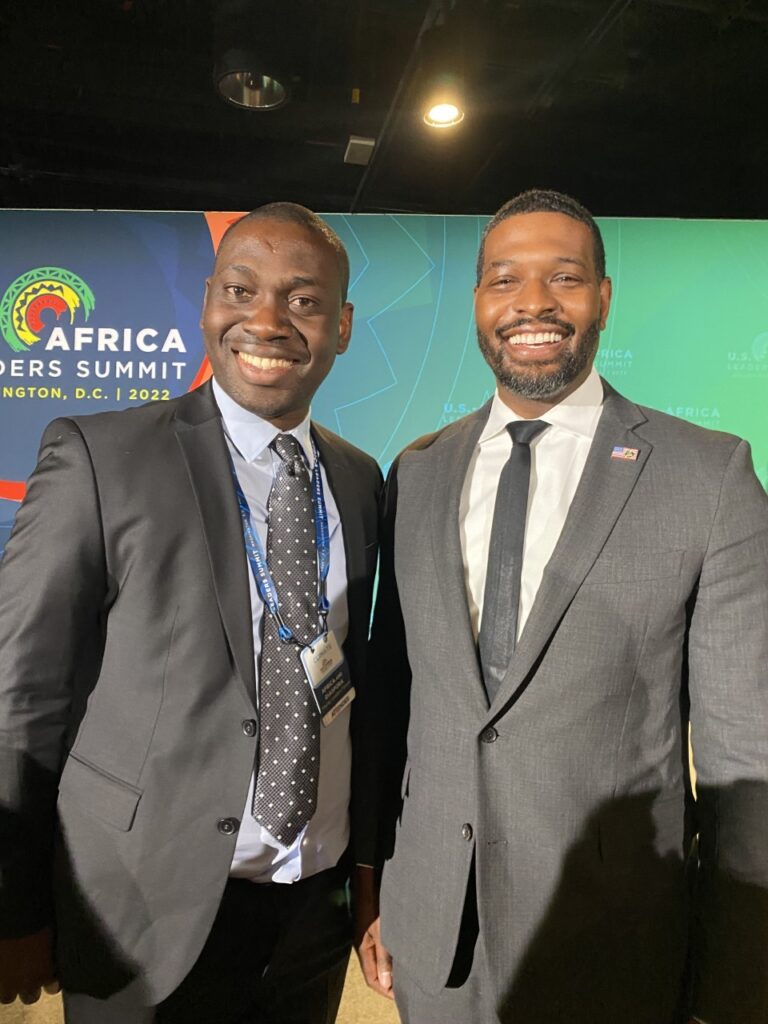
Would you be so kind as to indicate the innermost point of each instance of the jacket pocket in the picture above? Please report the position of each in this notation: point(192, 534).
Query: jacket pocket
point(635, 566)
point(99, 795)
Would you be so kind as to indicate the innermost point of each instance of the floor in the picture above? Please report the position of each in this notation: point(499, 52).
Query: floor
point(358, 1006)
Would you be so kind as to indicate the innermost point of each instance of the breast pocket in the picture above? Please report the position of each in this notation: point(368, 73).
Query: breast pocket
point(635, 566)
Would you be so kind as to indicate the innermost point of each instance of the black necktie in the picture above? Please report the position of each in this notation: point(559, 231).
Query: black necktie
point(501, 599)
point(289, 731)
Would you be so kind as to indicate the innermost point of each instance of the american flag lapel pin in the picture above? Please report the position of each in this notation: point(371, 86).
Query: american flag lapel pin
point(625, 454)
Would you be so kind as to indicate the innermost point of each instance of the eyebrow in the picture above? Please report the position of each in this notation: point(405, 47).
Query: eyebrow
point(297, 281)
point(235, 266)
point(496, 264)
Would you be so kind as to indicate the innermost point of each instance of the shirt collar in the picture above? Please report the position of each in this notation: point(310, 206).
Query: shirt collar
point(251, 434)
point(578, 413)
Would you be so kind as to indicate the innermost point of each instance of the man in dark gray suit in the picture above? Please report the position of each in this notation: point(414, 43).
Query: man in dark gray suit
point(174, 806)
point(568, 580)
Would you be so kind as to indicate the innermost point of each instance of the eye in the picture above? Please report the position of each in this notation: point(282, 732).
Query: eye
point(237, 292)
point(302, 303)
point(568, 279)
point(502, 282)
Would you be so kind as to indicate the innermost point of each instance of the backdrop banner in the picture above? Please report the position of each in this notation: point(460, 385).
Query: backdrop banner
point(100, 310)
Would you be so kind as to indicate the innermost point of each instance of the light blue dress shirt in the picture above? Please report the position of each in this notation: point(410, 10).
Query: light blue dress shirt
point(258, 855)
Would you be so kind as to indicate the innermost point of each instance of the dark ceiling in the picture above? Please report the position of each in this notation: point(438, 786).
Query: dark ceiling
point(651, 107)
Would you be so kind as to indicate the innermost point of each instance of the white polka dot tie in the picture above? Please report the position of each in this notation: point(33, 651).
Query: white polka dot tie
point(289, 725)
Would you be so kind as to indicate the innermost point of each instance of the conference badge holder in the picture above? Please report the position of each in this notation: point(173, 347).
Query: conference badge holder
point(328, 676)
point(323, 661)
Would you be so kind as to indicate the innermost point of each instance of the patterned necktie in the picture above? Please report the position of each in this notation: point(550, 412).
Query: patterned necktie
point(501, 598)
point(285, 794)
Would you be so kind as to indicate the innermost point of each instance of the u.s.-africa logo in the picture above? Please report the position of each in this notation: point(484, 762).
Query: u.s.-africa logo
point(45, 288)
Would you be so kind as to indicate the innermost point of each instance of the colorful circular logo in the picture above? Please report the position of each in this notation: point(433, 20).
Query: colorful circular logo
point(44, 288)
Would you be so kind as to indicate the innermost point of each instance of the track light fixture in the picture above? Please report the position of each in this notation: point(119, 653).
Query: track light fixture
point(246, 81)
point(443, 105)
point(443, 101)
point(252, 53)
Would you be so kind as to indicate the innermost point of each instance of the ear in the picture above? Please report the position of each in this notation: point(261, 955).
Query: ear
point(345, 327)
point(606, 291)
point(205, 300)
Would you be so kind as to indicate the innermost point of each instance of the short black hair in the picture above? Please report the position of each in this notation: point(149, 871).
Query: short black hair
point(293, 213)
point(543, 200)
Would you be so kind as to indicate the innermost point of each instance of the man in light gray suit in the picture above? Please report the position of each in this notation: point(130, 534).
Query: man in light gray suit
point(569, 580)
point(174, 810)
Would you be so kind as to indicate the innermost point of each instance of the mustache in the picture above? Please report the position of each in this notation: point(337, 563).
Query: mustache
point(544, 321)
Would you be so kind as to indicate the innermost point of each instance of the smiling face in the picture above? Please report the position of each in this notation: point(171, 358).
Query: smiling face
point(273, 320)
point(539, 308)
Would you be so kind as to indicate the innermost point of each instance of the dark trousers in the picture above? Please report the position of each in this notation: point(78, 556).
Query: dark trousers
point(276, 954)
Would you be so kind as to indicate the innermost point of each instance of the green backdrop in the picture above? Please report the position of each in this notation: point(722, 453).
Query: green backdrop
point(688, 330)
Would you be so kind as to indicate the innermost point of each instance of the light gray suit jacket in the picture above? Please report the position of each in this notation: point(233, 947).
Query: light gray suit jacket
point(126, 677)
point(572, 791)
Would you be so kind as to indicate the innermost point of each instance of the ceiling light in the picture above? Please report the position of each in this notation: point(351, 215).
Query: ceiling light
point(442, 86)
point(246, 81)
point(443, 115)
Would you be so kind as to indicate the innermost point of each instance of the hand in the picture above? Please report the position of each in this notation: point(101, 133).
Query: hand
point(26, 967)
point(375, 961)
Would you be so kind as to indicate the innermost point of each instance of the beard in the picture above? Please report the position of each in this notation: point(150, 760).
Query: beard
point(528, 382)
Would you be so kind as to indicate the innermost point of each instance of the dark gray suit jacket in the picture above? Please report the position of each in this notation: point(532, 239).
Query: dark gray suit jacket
point(127, 673)
point(572, 791)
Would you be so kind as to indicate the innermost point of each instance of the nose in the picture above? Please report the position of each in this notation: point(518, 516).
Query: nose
point(535, 298)
point(267, 319)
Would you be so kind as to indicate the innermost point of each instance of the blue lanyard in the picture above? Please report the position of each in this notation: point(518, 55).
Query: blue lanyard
point(258, 562)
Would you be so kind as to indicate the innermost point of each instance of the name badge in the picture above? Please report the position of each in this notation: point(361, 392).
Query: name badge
point(328, 676)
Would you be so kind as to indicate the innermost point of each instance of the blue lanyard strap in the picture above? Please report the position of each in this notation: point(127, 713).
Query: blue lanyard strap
point(322, 537)
point(258, 562)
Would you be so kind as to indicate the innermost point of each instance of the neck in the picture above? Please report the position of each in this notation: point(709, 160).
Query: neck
point(525, 408)
point(287, 422)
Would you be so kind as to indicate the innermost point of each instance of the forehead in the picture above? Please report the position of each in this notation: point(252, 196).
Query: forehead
point(540, 235)
point(280, 245)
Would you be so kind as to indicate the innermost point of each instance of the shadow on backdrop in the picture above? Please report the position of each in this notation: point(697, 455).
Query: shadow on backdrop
point(614, 944)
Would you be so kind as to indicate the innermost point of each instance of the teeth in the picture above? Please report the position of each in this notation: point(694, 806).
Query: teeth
point(541, 338)
point(263, 364)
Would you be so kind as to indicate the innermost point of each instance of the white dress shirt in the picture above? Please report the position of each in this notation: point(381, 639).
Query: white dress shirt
point(258, 855)
point(558, 456)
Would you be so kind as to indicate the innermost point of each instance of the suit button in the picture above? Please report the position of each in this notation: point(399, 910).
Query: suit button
point(227, 826)
point(466, 832)
point(489, 735)
point(249, 726)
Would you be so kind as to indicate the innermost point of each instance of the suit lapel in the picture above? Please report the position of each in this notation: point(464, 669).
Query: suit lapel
point(200, 435)
point(453, 454)
point(358, 515)
point(603, 491)
point(341, 479)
